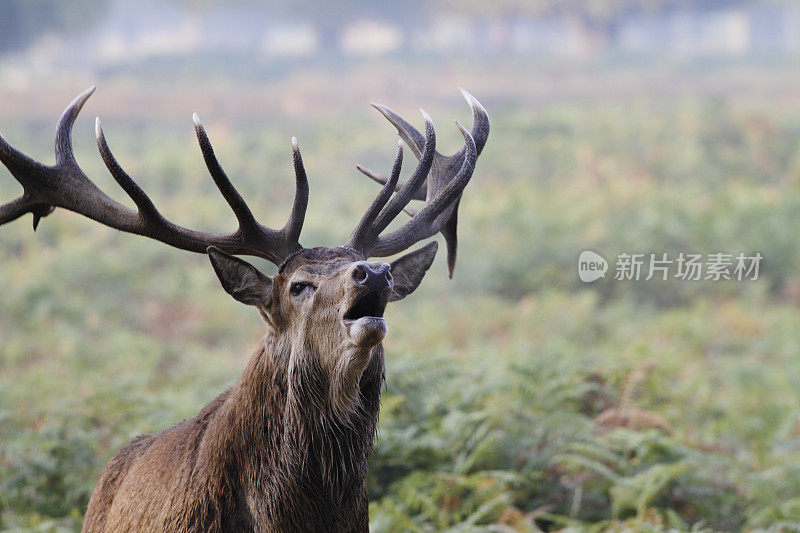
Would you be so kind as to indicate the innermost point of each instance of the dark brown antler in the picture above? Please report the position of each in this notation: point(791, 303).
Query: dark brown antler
point(441, 187)
point(65, 185)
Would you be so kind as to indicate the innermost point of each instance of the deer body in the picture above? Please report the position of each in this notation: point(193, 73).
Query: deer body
point(231, 462)
point(286, 448)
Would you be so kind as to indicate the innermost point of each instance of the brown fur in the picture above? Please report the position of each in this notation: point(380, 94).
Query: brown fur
point(285, 449)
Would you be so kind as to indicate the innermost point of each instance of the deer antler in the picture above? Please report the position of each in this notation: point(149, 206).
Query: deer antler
point(439, 180)
point(65, 185)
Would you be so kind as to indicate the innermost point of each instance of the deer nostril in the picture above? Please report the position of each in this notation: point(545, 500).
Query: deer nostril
point(360, 273)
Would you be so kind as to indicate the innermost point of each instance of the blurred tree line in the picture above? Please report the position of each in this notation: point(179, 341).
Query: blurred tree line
point(23, 21)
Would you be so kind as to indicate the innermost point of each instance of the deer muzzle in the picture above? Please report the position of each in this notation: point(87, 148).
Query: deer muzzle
point(372, 287)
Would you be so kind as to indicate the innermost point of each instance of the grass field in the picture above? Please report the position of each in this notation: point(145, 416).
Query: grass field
point(517, 397)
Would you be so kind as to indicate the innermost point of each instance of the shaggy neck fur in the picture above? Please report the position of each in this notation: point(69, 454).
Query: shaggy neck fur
point(278, 449)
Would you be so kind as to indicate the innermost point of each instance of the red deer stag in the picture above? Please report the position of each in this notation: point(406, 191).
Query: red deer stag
point(286, 448)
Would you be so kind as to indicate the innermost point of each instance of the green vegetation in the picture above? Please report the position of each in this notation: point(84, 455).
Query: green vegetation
point(517, 397)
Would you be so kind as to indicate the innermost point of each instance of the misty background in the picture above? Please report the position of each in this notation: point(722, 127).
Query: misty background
point(518, 398)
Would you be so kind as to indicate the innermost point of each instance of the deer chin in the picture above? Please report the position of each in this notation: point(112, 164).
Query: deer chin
point(367, 331)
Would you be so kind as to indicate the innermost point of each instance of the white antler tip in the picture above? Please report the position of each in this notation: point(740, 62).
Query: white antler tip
point(98, 127)
point(425, 115)
point(473, 102)
point(196, 119)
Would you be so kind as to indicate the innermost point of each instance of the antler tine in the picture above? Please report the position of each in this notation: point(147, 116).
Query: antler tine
point(296, 218)
point(419, 194)
point(408, 133)
point(364, 225)
point(146, 207)
point(241, 210)
point(64, 153)
point(425, 224)
point(480, 122)
point(65, 185)
point(14, 209)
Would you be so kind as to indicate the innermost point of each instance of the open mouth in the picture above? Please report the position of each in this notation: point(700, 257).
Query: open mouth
point(369, 305)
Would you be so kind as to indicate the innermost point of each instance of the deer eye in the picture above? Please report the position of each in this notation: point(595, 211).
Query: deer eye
point(297, 288)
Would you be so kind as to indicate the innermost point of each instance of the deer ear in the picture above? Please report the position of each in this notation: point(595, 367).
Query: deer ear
point(409, 270)
point(239, 278)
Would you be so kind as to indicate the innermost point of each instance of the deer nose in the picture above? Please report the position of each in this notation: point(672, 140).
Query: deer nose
point(375, 276)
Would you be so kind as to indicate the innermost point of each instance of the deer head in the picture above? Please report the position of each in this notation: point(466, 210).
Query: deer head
point(326, 303)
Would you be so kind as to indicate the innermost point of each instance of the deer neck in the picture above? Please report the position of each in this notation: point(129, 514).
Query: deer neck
point(290, 446)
